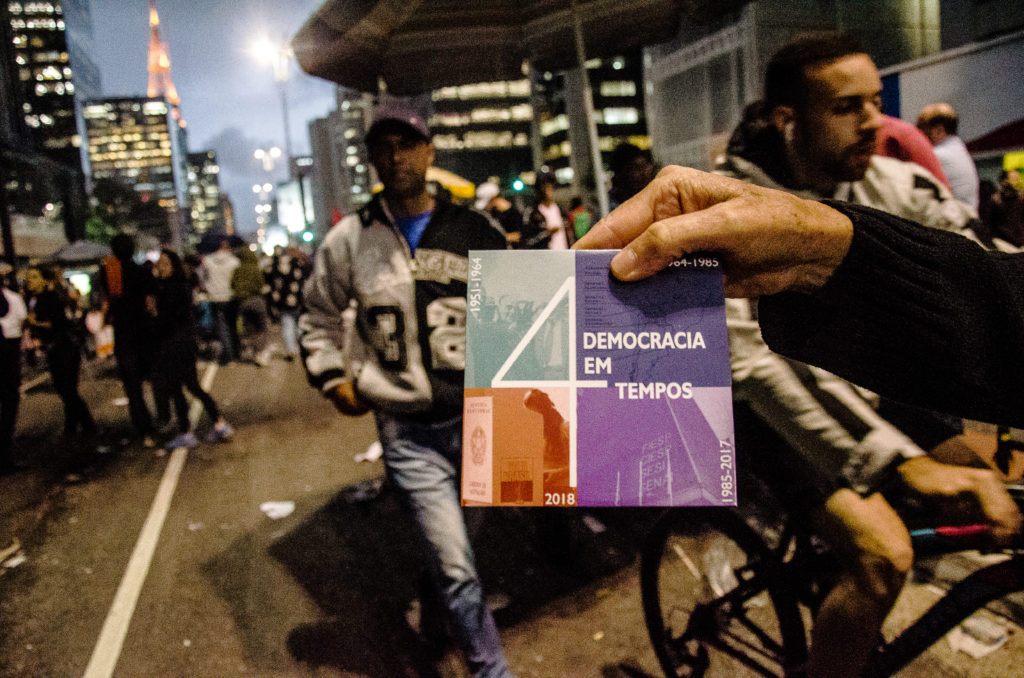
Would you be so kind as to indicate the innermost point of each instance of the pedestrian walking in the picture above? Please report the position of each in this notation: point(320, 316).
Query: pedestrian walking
point(288, 273)
point(247, 285)
point(547, 225)
point(127, 288)
point(215, 273)
point(399, 267)
point(13, 314)
point(176, 351)
point(49, 322)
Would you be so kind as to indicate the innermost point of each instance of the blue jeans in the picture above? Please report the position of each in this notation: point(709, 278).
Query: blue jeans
point(290, 332)
point(422, 461)
point(225, 317)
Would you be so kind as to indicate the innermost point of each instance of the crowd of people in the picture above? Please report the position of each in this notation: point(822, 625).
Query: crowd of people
point(159, 310)
point(380, 319)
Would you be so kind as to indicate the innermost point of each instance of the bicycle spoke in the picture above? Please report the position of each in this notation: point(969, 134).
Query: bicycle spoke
point(707, 602)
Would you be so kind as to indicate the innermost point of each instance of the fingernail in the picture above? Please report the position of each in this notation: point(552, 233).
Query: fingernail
point(624, 265)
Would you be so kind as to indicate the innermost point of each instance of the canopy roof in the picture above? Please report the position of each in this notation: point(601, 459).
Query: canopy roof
point(415, 46)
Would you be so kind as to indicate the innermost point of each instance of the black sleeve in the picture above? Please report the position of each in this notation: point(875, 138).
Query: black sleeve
point(918, 315)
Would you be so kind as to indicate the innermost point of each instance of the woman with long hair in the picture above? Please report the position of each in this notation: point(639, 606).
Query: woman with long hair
point(50, 322)
point(176, 353)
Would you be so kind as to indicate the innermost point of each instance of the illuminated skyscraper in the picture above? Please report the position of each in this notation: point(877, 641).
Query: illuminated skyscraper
point(136, 141)
point(47, 70)
point(617, 86)
point(53, 62)
point(205, 197)
point(483, 129)
point(341, 175)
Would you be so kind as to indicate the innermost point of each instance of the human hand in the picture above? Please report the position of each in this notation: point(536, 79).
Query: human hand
point(965, 492)
point(768, 240)
point(346, 400)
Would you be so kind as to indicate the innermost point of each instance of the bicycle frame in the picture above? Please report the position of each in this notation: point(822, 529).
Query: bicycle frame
point(790, 565)
point(967, 595)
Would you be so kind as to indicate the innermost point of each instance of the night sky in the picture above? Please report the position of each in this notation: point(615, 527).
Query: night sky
point(228, 98)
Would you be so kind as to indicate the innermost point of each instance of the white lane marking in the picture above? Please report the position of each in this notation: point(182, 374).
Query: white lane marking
point(108, 647)
point(35, 381)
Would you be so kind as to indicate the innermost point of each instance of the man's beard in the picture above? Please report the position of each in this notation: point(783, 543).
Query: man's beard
point(407, 187)
point(849, 164)
point(858, 161)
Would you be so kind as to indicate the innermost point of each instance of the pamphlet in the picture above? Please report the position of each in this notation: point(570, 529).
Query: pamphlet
point(582, 390)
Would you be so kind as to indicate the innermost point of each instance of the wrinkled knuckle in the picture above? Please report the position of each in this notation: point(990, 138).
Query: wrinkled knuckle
point(670, 171)
point(661, 237)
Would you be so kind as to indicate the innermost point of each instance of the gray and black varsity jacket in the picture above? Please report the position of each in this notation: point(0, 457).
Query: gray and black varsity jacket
point(392, 323)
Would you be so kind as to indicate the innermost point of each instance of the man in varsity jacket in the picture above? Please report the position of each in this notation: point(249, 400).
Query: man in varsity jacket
point(384, 329)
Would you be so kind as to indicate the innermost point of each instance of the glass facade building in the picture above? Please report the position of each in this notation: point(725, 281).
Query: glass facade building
point(341, 176)
point(205, 197)
point(47, 68)
point(135, 141)
point(482, 130)
point(616, 85)
point(53, 66)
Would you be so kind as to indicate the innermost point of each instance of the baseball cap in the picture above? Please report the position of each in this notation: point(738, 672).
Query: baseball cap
point(396, 116)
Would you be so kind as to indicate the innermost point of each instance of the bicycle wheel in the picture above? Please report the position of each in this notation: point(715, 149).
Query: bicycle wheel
point(713, 601)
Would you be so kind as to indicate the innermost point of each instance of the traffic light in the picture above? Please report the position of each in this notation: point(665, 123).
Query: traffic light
point(518, 185)
point(307, 236)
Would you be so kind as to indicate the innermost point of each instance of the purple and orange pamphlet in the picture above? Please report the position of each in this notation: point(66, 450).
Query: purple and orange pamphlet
point(585, 391)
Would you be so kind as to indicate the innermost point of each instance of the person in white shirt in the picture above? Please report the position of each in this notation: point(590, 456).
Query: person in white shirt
point(215, 275)
point(939, 122)
point(547, 226)
point(12, 318)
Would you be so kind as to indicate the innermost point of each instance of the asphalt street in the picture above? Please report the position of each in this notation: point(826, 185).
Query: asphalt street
point(279, 554)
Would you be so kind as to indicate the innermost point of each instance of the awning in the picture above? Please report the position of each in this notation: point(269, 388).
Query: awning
point(416, 46)
point(1006, 138)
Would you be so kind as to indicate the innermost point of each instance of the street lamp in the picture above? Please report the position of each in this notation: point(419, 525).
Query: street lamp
point(279, 55)
point(262, 190)
point(267, 156)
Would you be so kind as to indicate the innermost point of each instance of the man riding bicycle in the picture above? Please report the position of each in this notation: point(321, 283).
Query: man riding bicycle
point(814, 135)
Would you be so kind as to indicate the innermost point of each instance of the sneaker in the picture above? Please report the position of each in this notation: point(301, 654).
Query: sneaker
point(182, 440)
point(220, 433)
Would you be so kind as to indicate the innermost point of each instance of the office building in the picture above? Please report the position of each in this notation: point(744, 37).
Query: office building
point(47, 58)
point(616, 85)
point(341, 178)
point(134, 140)
point(483, 129)
point(206, 202)
point(46, 66)
point(52, 52)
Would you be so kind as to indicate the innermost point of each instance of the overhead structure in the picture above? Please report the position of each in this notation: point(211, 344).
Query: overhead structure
point(416, 46)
